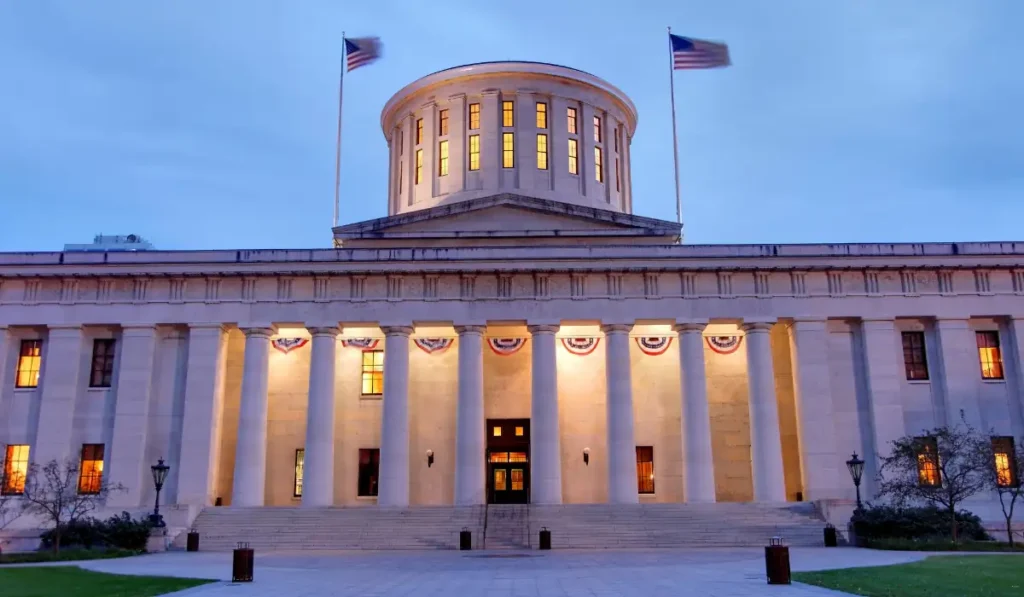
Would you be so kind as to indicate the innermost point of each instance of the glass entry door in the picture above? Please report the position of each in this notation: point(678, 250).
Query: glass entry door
point(508, 461)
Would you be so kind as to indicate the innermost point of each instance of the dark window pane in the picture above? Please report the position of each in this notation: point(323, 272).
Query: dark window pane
point(369, 466)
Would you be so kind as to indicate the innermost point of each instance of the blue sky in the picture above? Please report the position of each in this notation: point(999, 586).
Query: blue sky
point(211, 124)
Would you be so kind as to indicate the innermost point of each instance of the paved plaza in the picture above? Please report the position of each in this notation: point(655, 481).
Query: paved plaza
point(654, 573)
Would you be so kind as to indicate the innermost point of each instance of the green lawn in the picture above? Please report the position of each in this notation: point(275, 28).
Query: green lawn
point(61, 581)
point(962, 576)
point(65, 555)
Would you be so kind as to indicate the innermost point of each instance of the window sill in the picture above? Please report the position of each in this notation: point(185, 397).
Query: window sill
point(371, 396)
point(366, 498)
point(995, 381)
point(25, 390)
point(919, 382)
point(98, 389)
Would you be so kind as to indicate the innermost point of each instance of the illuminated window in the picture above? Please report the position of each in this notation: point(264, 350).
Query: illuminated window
point(29, 361)
point(496, 432)
point(517, 457)
point(542, 152)
point(542, 115)
point(915, 361)
point(928, 474)
point(517, 480)
point(300, 461)
point(499, 479)
point(498, 457)
point(1005, 461)
point(369, 469)
point(597, 129)
point(419, 131)
point(474, 152)
point(102, 372)
point(90, 473)
point(598, 165)
point(442, 117)
point(520, 431)
point(990, 355)
point(645, 469)
point(474, 116)
point(508, 151)
point(442, 158)
point(15, 469)
point(570, 120)
point(574, 158)
point(419, 166)
point(373, 372)
point(508, 113)
point(618, 176)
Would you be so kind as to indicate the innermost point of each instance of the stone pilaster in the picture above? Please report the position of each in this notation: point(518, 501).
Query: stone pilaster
point(545, 450)
point(318, 466)
point(819, 457)
point(470, 441)
point(125, 459)
point(251, 451)
point(1015, 359)
point(698, 461)
point(960, 369)
point(883, 375)
point(63, 352)
point(765, 437)
point(201, 427)
point(622, 480)
point(394, 437)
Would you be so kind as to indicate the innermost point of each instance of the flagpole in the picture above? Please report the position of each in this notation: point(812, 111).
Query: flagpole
point(337, 155)
point(675, 140)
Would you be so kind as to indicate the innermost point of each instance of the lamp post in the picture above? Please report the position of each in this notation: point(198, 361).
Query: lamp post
point(856, 466)
point(159, 476)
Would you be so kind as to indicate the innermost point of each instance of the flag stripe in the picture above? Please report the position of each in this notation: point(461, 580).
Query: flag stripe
point(689, 53)
point(361, 51)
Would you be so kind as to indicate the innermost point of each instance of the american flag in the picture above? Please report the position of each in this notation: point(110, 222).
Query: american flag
point(361, 51)
point(690, 53)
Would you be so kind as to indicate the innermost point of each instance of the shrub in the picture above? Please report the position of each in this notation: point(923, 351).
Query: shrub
point(938, 545)
point(117, 531)
point(928, 522)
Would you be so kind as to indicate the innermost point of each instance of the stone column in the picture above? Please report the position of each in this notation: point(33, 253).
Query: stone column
point(960, 370)
point(251, 453)
point(394, 436)
point(6, 362)
point(545, 450)
point(470, 443)
point(126, 459)
point(201, 424)
point(622, 481)
point(765, 437)
point(819, 458)
point(1015, 358)
point(61, 378)
point(698, 460)
point(318, 468)
point(883, 365)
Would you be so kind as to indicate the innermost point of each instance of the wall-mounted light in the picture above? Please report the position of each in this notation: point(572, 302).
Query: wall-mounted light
point(430, 458)
point(586, 456)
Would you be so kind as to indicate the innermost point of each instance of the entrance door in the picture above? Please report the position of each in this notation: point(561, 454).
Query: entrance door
point(508, 461)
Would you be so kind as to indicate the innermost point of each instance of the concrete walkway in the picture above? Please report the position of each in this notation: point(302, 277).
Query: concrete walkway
point(654, 573)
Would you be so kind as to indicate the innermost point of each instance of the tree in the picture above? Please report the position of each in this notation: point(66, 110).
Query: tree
point(10, 507)
point(939, 468)
point(52, 492)
point(1003, 471)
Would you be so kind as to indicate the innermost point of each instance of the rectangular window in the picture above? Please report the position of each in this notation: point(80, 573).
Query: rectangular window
point(645, 469)
point(508, 150)
point(442, 118)
point(597, 129)
point(615, 138)
point(574, 158)
point(102, 372)
point(300, 461)
point(1005, 461)
point(15, 469)
point(618, 176)
point(419, 166)
point(400, 170)
point(519, 431)
point(989, 355)
point(474, 152)
point(401, 142)
point(29, 361)
point(542, 115)
point(496, 431)
point(373, 372)
point(915, 360)
point(419, 131)
point(928, 474)
point(542, 152)
point(517, 479)
point(474, 117)
point(90, 473)
point(570, 120)
point(508, 113)
point(598, 165)
point(369, 467)
point(442, 158)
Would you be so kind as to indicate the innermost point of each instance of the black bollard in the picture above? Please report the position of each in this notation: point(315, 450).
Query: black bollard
point(831, 537)
point(465, 540)
point(545, 538)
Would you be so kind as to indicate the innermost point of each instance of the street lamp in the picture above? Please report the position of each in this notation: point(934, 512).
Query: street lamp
point(856, 466)
point(159, 476)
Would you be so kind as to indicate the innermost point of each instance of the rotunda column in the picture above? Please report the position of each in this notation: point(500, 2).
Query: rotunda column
point(251, 450)
point(469, 424)
point(394, 436)
point(622, 480)
point(318, 467)
point(765, 438)
point(698, 460)
point(545, 451)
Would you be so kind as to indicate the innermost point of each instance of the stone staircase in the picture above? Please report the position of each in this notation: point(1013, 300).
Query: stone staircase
point(577, 526)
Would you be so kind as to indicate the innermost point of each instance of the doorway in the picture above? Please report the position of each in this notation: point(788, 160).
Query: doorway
point(508, 461)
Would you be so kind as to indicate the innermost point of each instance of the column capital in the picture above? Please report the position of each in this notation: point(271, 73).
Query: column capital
point(138, 330)
point(258, 330)
point(616, 328)
point(810, 323)
point(690, 325)
point(543, 328)
point(329, 330)
point(397, 330)
point(757, 326)
point(207, 327)
point(471, 329)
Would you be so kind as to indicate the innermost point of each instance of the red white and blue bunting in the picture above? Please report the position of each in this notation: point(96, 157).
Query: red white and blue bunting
point(724, 344)
point(362, 343)
point(287, 345)
point(580, 346)
point(654, 345)
point(506, 346)
point(432, 345)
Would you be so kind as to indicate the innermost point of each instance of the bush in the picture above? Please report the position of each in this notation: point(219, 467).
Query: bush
point(938, 545)
point(120, 532)
point(928, 522)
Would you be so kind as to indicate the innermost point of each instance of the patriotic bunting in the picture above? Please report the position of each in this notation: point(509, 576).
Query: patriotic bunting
point(580, 346)
point(287, 345)
point(432, 345)
point(724, 344)
point(654, 345)
point(506, 346)
point(363, 343)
